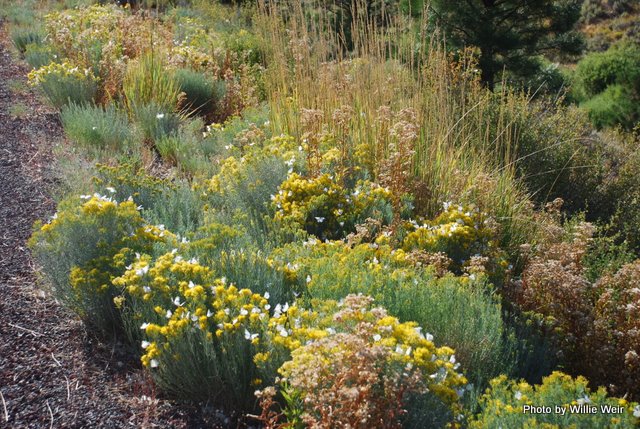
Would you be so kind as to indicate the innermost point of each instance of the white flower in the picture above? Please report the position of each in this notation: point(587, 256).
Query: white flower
point(249, 336)
point(145, 344)
point(319, 219)
point(94, 128)
point(176, 302)
point(584, 400)
point(144, 326)
point(191, 285)
point(266, 295)
point(142, 271)
point(244, 312)
point(169, 314)
point(636, 411)
point(154, 363)
point(429, 337)
point(110, 189)
point(85, 197)
point(308, 279)
point(518, 395)
point(377, 337)
point(160, 116)
point(146, 289)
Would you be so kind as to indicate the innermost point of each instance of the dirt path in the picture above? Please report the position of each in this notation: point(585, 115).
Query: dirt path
point(52, 374)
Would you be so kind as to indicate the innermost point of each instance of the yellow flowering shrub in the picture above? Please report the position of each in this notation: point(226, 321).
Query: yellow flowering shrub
point(323, 207)
point(455, 309)
point(459, 232)
point(83, 247)
point(199, 332)
point(353, 363)
point(65, 83)
point(559, 402)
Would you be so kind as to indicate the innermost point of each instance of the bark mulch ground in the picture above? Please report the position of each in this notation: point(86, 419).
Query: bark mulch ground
point(52, 372)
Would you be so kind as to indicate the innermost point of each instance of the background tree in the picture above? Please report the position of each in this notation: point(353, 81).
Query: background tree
point(511, 34)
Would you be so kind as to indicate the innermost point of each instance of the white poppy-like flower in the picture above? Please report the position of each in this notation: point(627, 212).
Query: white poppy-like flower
point(169, 314)
point(145, 344)
point(160, 116)
point(142, 271)
point(518, 395)
point(154, 363)
point(584, 400)
point(377, 337)
point(144, 326)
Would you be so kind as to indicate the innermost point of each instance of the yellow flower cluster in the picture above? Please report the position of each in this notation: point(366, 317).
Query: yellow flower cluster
point(185, 296)
point(459, 232)
point(322, 206)
point(65, 70)
point(507, 401)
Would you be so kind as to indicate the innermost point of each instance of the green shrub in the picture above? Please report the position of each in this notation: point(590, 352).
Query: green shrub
point(39, 55)
point(64, 83)
point(198, 331)
point(458, 311)
point(156, 123)
point(609, 84)
point(97, 129)
point(202, 95)
point(504, 405)
point(22, 38)
point(606, 256)
point(173, 203)
point(613, 106)
point(84, 247)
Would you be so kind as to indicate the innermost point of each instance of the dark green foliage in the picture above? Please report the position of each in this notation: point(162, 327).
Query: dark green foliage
point(605, 256)
point(202, 93)
point(510, 33)
point(612, 107)
point(609, 84)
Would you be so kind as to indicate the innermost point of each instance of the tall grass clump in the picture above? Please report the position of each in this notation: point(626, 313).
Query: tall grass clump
point(23, 37)
point(97, 129)
point(148, 81)
point(151, 95)
point(386, 101)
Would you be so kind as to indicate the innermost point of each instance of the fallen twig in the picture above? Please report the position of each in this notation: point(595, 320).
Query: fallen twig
point(4, 405)
point(32, 332)
point(57, 361)
point(50, 414)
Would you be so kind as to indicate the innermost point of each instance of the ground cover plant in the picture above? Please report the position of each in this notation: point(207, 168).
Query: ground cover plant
point(314, 227)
